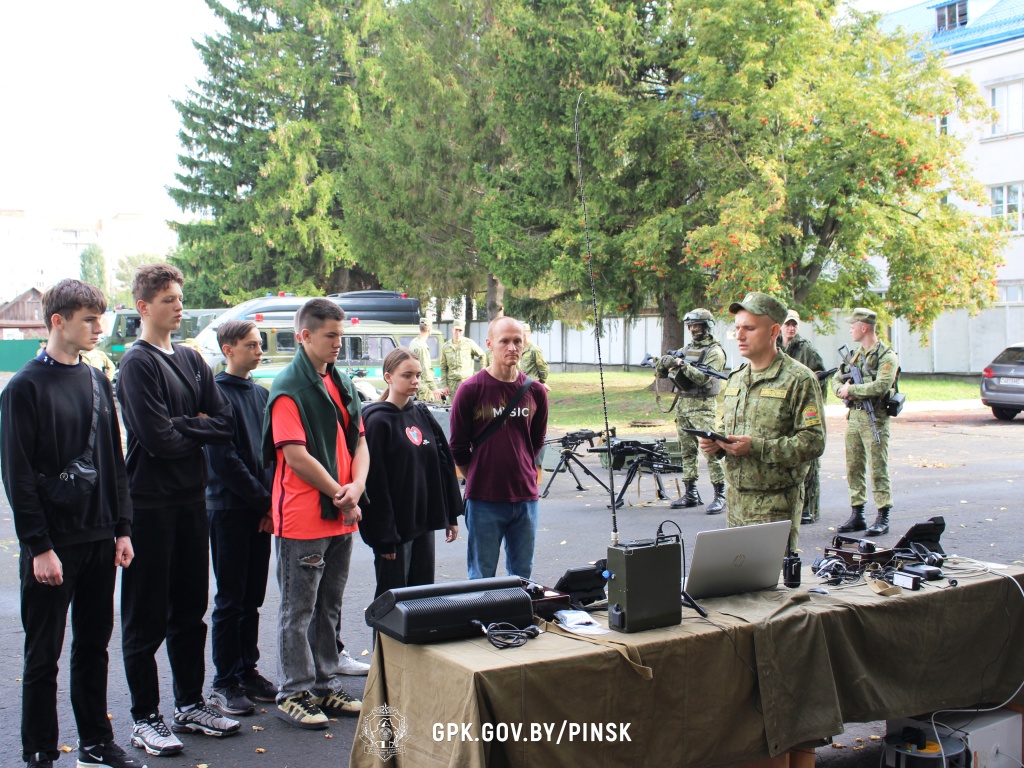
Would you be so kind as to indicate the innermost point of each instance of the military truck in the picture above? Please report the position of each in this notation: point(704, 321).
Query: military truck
point(363, 349)
point(124, 329)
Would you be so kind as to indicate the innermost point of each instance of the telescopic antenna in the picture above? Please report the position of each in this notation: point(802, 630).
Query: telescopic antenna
point(597, 332)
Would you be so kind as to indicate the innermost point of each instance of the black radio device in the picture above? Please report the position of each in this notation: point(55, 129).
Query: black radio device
point(644, 580)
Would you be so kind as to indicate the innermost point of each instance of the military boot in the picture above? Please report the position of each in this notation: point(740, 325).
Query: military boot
point(856, 521)
point(690, 498)
point(881, 525)
point(717, 505)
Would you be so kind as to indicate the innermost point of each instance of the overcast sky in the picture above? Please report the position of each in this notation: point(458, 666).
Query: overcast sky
point(88, 126)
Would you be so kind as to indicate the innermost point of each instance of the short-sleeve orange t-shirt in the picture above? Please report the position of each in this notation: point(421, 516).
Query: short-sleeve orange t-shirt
point(296, 505)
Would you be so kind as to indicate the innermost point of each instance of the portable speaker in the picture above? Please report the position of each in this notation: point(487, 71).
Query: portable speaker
point(434, 612)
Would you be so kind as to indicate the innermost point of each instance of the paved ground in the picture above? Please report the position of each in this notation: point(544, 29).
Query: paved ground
point(960, 463)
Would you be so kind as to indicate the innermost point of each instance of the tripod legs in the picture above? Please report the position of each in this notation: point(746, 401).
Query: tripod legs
point(566, 461)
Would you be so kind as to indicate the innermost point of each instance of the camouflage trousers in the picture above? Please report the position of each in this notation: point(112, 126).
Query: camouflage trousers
point(453, 387)
point(812, 491)
point(426, 391)
point(693, 414)
point(863, 452)
point(749, 507)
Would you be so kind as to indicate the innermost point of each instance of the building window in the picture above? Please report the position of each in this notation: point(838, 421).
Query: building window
point(1006, 203)
point(951, 16)
point(1008, 101)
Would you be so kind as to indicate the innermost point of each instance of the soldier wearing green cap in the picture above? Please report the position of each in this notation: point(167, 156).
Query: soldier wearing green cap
point(420, 346)
point(800, 349)
point(879, 365)
point(457, 357)
point(772, 413)
point(532, 363)
point(695, 405)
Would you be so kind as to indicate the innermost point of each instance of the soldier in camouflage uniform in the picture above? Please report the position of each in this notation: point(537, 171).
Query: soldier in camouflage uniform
point(771, 409)
point(800, 349)
point(880, 366)
point(532, 363)
point(457, 357)
point(99, 360)
point(696, 405)
point(421, 348)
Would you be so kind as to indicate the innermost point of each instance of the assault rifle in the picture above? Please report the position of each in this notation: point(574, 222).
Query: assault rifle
point(650, 361)
point(856, 375)
point(826, 375)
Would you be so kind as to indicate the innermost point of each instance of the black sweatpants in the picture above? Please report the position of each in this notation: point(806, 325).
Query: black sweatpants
point(164, 595)
point(88, 589)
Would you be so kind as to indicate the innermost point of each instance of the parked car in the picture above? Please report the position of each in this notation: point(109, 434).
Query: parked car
point(1002, 383)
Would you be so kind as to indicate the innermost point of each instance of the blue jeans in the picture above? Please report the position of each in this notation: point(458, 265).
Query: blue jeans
point(311, 574)
point(241, 561)
point(488, 523)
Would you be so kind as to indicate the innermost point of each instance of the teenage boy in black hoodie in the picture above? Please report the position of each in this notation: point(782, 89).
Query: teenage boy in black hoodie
point(171, 409)
point(238, 505)
point(69, 553)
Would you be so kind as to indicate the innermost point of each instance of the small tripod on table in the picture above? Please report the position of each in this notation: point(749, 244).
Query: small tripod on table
point(568, 457)
point(650, 456)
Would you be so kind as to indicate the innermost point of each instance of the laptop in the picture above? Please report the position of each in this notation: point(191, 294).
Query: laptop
point(732, 561)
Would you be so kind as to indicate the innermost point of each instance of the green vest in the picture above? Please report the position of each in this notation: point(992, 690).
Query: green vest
point(320, 416)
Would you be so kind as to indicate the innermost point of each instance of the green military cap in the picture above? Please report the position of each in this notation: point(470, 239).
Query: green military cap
point(526, 327)
point(761, 304)
point(862, 315)
point(792, 315)
point(459, 325)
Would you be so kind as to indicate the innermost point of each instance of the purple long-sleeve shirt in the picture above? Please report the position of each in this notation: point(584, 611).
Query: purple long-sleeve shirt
point(502, 468)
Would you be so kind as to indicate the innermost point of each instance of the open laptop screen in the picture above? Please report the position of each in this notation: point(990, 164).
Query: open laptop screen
point(736, 560)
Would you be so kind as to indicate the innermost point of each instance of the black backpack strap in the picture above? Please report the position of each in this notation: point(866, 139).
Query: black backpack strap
point(93, 373)
point(494, 425)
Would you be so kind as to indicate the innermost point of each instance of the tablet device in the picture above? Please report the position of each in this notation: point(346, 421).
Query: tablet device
point(708, 434)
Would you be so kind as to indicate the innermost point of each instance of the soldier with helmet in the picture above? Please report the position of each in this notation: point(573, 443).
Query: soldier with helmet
point(695, 407)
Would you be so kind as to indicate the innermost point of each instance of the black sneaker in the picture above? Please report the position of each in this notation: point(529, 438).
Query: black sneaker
point(203, 719)
point(108, 755)
point(258, 688)
point(231, 701)
point(39, 760)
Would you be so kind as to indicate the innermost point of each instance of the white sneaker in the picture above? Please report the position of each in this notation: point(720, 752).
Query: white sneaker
point(153, 735)
point(349, 666)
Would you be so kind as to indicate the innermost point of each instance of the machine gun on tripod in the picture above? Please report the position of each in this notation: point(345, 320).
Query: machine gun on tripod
point(651, 456)
point(568, 456)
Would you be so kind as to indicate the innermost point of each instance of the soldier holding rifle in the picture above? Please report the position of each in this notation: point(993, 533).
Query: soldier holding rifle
point(864, 382)
point(697, 390)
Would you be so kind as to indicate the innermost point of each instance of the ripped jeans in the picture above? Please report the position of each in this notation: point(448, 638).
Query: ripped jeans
point(311, 575)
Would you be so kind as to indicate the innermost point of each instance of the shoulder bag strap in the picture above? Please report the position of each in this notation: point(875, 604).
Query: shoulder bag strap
point(493, 426)
point(93, 373)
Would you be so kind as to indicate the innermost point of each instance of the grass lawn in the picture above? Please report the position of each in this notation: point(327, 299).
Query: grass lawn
point(575, 399)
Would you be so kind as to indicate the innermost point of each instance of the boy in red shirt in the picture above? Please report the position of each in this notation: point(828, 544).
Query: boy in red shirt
point(313, 427)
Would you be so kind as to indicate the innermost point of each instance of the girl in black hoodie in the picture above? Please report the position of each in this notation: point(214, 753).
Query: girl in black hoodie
point(411, 487)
